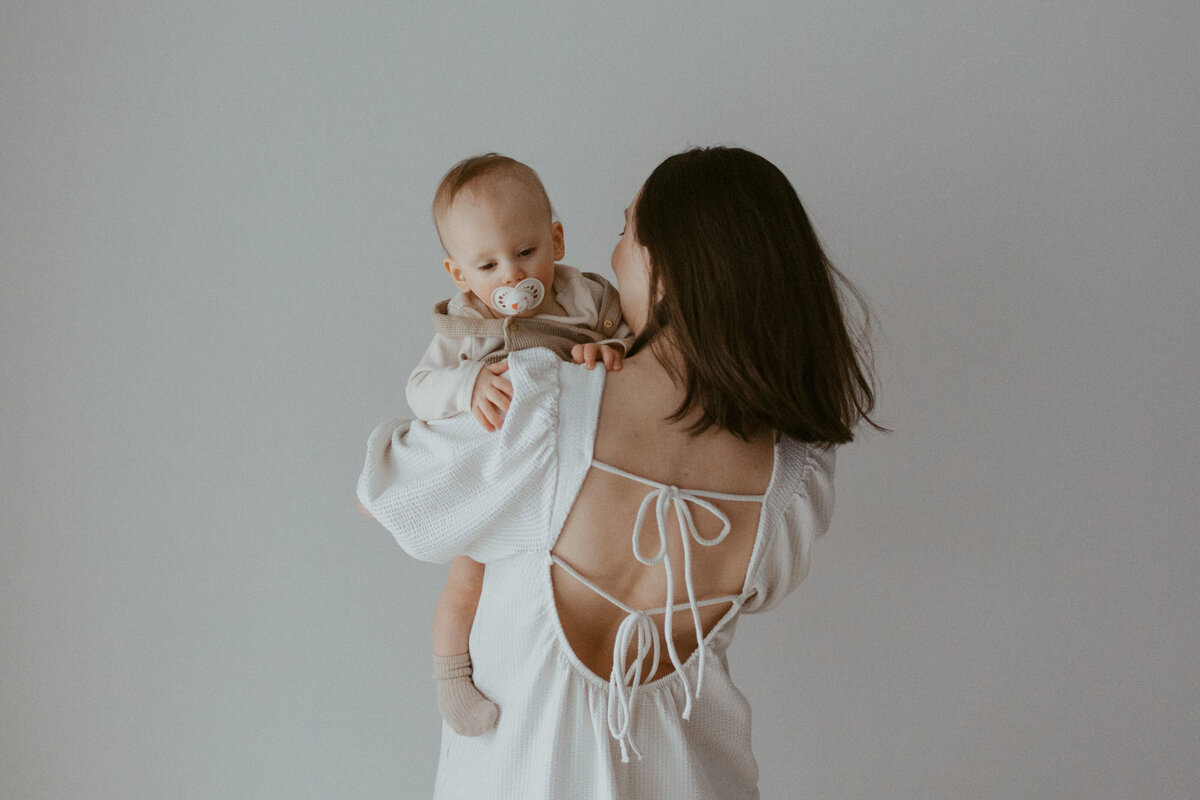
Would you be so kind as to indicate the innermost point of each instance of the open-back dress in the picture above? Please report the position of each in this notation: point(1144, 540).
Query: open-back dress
point(448, 488)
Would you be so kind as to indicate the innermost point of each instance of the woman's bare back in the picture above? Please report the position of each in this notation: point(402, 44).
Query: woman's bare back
point(596, 539)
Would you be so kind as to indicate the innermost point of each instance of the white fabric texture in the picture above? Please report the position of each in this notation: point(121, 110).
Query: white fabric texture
point(445, 488)
point(441, 384)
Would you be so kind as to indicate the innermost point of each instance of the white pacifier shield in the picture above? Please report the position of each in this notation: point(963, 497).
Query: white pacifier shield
point(512, 300)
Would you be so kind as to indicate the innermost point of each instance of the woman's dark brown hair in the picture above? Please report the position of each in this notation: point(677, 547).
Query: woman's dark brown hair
point(751, 301)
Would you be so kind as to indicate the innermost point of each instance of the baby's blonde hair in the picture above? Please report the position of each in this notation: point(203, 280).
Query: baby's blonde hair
point(476, 168)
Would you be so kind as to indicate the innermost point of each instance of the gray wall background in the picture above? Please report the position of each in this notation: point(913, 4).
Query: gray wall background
point(217, 263)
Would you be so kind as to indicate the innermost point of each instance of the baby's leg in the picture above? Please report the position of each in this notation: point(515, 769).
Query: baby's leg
point(455, 610)
point(463, 706)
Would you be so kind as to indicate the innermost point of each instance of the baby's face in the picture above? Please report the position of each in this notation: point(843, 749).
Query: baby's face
point(499, 232)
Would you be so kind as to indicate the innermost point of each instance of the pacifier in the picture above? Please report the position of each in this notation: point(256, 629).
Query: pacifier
point(512, 300)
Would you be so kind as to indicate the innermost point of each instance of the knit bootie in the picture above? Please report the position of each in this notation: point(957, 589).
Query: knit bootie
point(464, 707)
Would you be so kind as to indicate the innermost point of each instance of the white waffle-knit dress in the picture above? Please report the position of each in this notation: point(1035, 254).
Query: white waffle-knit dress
point(447, 488)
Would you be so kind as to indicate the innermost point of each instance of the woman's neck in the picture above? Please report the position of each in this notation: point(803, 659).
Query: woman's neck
point(658, 373)
point(635, 431)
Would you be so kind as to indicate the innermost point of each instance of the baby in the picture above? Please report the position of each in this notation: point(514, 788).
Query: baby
point(502, 242)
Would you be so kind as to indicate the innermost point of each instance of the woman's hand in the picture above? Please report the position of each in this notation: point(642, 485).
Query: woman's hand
point(491, 396)
point(589, 353)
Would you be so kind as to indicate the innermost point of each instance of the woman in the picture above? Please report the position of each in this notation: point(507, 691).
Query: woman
point(626, 517)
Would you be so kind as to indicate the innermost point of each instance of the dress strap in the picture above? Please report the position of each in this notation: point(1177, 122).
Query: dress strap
point(746, 498)
point(666, 498)
point(574, 573)
point(626, 678)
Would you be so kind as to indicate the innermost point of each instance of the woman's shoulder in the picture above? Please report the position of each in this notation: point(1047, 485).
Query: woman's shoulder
point(560, 401)
point(799, 508)
point(541, 378)
point(560, 398)
point(804, 465)
point(803, 485)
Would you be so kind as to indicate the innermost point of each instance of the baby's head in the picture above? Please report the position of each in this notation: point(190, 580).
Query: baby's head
point(497, 227)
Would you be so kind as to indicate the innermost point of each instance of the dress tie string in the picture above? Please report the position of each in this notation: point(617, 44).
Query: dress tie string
point(638, 629)
point(664, 498)
point(624, 681)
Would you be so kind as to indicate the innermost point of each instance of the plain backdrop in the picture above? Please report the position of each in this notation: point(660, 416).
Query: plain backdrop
point(217, 268)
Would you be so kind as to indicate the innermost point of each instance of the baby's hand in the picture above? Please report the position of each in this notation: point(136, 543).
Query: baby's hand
point(588, 353)
point(491, 396)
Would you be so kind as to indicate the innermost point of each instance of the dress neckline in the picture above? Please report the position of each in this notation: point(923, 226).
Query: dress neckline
point(759, 498)
point(626, 679)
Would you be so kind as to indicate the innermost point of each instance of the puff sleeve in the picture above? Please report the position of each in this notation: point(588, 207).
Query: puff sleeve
point(447, 487)
point(798, 515)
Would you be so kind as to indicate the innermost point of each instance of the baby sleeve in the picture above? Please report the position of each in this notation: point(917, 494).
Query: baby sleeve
point(799, 514)
point(442, 383)
point(447, 487)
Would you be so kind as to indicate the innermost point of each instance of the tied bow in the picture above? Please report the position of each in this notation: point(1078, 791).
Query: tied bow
point(663, 498)
point(626, 678)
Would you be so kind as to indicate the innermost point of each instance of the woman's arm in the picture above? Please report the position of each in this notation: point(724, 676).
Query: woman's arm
point(447, 487)
point(363, 509)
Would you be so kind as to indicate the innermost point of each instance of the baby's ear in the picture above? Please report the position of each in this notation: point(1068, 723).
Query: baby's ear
point(456, 274)
point(560, 247)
